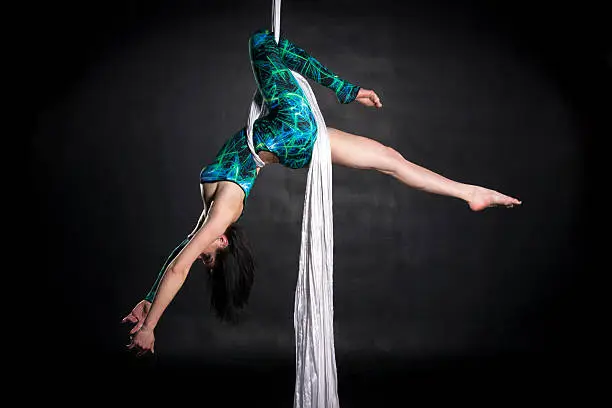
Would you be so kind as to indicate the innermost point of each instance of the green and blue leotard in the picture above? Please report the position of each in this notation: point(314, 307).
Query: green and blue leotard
point(289, 129)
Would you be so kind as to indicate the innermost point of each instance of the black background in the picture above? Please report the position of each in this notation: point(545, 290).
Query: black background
point(133, 98)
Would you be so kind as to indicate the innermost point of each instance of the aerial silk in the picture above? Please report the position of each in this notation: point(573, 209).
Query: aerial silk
point(316, 377)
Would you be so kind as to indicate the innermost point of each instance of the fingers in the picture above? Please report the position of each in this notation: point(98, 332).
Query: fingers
point(370, 102)
point(131, 345)
point(373, 97)
point(368, 93)
point(136, 328)
point(366, 101)
point(141, 342)
point(376, 100)
point(129, 318)
point(368, 98)
point(140, 350)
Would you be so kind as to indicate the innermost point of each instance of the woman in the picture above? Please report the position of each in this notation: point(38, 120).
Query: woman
point(286, 135)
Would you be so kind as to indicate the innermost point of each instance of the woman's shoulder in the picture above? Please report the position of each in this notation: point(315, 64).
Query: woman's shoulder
point(230, 196)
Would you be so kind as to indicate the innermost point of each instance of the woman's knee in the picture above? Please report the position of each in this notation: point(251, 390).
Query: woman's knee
point(391, 160)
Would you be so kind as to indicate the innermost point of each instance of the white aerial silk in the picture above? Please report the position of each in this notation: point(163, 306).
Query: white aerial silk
point(316, 378)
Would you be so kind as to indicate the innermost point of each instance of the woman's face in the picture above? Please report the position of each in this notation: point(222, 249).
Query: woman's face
point(208, 259)
point(210, 253)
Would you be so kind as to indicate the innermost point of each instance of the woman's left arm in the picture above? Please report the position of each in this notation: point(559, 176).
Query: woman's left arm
point(300, 61)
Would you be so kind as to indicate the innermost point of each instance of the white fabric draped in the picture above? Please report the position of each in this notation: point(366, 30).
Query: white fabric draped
point(316, 377)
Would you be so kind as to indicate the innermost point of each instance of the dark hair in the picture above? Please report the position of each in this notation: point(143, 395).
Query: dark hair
point(232, 276)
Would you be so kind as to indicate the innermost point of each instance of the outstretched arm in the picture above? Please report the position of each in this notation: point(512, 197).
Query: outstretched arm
point(300, 61)
point(225, 210)
point(138, 314)
point(151, 295)
point(153, 291)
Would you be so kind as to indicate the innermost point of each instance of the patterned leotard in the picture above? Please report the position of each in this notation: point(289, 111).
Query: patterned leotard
point(289, 129)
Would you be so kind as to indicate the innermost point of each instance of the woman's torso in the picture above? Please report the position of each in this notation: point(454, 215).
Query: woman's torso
point(285, 135)
point(289, 128)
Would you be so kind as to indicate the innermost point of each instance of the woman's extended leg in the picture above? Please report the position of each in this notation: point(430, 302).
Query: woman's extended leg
point(362, 153)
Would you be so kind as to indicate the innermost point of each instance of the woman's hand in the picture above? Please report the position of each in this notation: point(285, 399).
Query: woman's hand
point(368, 98)
point(143, 341)
point(137, 315)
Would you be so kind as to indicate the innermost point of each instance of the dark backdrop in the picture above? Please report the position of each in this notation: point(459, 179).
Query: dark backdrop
point(133, 98)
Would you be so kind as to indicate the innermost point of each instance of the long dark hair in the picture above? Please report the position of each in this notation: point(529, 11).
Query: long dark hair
point(232, 276)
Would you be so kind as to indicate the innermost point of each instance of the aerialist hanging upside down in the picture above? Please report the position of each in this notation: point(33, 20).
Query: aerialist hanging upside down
point(286, 135)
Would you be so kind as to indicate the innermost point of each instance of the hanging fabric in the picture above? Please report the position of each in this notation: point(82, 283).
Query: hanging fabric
point(316, 377)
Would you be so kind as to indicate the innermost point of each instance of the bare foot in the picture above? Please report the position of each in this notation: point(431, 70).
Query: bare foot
point(481, 198)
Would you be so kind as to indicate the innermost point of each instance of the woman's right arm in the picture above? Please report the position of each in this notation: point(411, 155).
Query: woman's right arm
point(225, 210)
point(140, 311)
point(153, 291)
point(151, 295)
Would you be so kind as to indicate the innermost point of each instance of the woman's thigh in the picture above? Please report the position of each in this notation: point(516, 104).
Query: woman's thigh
point(360, 152)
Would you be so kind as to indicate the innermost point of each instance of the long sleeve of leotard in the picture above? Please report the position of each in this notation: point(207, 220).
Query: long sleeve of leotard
point(296, 59)
point(151, 295)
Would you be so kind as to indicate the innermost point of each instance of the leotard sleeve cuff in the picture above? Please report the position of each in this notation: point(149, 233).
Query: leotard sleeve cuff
point(347, 93)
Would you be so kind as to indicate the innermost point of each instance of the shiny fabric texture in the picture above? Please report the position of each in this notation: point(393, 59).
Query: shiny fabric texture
point(316, 384)
point(286, 126)
point(272, 121)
